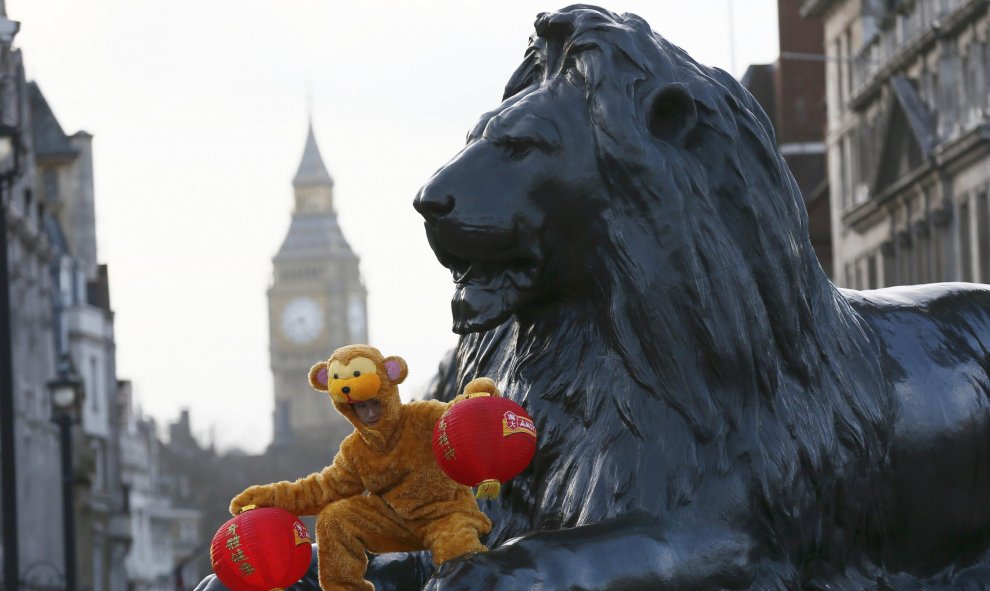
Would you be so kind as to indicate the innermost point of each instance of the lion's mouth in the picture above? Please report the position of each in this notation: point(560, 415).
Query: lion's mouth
point(488, 289)
point(520, 272)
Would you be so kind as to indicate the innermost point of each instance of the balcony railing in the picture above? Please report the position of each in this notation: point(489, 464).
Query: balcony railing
point(898, 34)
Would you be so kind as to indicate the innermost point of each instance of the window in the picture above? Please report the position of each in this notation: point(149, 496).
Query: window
point(889, 270)
point(94, 376)
point(983, 236)
point(938, 253)
point(922, 254)
point(845, 166)
point(967, 98)
point(49, 181)
point(98, 571)
point(905, 259)
point(847, 63)
point(100, 468)
point(965, 246)
point(65, 281)
point(126, 493)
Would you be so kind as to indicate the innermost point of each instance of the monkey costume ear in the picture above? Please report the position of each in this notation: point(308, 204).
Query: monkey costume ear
point(318, 377)
point(395, 368)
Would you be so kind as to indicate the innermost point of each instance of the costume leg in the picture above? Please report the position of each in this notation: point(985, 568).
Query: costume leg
point(454, 535)
point(348, 528)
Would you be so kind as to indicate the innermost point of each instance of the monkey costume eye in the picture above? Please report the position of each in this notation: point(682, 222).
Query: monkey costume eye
point(357, 374)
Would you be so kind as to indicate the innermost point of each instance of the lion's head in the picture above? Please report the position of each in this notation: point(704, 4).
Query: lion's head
point(626, 241)
point(604, 125)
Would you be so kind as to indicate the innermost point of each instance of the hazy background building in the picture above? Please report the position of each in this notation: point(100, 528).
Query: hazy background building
point(62, 326)
point(908, 135)
point(317, 302)
point(84, 344)
point(30, 254)
point(166, 525)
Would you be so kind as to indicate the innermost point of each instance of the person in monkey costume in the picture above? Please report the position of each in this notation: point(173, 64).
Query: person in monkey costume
point(411, 504)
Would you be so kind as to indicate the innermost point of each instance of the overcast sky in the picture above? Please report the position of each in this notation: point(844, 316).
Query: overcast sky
point(199, 112)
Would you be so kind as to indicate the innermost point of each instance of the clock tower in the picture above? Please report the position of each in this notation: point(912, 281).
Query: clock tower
point(316, 303)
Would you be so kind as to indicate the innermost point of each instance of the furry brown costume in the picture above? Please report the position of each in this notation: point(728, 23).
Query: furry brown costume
point(411, 504)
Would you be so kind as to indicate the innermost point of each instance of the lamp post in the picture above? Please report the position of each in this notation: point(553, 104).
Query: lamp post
point(67, 396)
point(8, 457)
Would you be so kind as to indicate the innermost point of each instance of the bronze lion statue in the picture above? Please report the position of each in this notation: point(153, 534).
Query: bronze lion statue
point(632, 265)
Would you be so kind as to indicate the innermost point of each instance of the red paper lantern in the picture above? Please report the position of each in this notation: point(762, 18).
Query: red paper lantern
point(484, 442)
point(261, 550)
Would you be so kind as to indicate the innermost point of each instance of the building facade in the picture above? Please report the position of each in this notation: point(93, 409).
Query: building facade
point(908, 136)
point(167, 535)
point(317, 302)
point(37, 520)
point(127, 529)
point(84, 341)
point(792, 92)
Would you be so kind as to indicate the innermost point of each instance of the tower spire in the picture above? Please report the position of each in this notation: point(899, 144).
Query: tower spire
point(312, 171)
point(309, 102)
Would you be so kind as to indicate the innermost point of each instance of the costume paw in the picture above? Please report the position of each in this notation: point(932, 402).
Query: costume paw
point(481, 387)
point(261, 495)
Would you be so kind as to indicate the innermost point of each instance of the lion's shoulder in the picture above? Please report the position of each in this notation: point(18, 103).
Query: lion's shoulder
point(914, 322)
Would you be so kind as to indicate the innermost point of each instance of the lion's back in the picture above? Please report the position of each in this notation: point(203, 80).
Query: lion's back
point(933, 331)
point(934, 346)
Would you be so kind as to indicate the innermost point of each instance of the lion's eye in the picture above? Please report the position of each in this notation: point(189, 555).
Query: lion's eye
point(357, 374)
point(518, 150)
point(336, 377)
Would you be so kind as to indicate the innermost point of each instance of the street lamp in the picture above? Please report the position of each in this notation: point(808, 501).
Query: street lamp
point(67, 397)
point(8, 151)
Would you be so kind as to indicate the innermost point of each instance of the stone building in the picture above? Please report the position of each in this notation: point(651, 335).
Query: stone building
point(317, 303)
point(908, 135)
point(792, 92)
point(36, 557)
point(128, 533)
point(84, 340)
point(167, 534)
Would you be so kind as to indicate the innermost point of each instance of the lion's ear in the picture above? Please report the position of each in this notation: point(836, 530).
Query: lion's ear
point(672, 114)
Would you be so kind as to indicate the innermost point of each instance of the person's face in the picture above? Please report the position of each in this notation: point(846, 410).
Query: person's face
point(369, 411)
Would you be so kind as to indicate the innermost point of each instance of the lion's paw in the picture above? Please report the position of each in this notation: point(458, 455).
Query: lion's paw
point(480, 572)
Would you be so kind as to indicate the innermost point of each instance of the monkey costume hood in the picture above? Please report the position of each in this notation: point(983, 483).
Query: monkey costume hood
point(382, 436)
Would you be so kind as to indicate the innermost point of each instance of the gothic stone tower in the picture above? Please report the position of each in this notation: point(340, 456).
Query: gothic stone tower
point(317, 302)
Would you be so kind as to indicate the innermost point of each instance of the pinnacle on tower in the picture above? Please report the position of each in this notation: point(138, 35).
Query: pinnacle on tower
point(312, 171)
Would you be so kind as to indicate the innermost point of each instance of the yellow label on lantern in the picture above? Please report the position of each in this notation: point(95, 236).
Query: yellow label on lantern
point(300, 533)
point(513, 423)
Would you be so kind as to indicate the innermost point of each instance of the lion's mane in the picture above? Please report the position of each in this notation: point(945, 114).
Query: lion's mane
point(713, 341)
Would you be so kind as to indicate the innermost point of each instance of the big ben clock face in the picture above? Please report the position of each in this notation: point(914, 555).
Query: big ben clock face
point(302, 320)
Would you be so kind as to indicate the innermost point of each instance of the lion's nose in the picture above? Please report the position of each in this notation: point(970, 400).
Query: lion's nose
point(345, 390)
point(433, 204)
